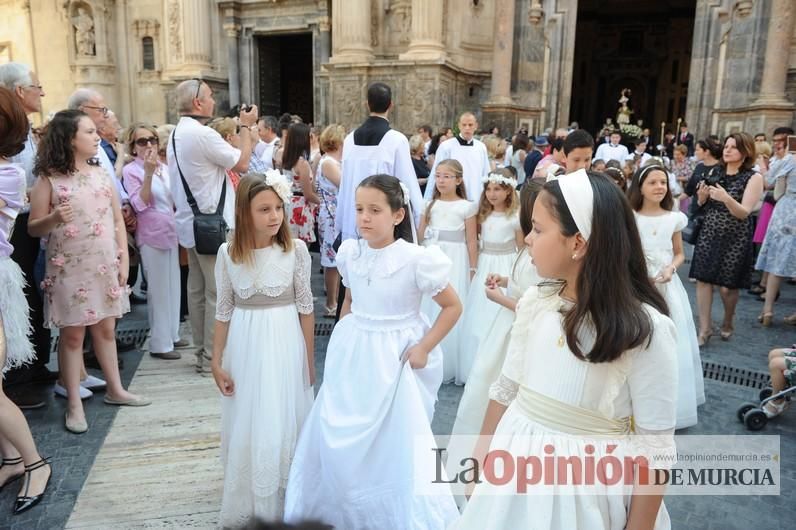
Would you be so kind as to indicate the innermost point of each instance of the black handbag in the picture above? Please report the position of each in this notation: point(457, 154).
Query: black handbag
point(209, 229)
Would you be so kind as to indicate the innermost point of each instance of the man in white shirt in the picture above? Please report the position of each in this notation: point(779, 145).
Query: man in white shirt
point(202, 157)
point(469, 152)
point(613, 150)
point(267, 127)
point(639, 157)
point(24, 83)
point(425, 134)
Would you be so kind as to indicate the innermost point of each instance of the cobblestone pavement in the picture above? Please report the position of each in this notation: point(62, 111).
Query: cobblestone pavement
point(73, 455)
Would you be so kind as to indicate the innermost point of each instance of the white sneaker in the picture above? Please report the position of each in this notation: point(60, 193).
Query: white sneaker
point(93, 383)
point(60, 391)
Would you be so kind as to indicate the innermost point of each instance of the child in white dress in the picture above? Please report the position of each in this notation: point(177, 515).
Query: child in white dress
point(262, 351)
point(660, 229)
point(588, 360)
point(492, 350)
point(353, 467)
point(449, 222)
point(500, 239)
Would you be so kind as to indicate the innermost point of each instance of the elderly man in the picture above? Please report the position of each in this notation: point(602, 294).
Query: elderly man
point(24, 83)
point(267, 127)
point(198, 159)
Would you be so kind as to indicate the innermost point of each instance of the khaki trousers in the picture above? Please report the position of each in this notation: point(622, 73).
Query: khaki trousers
point(202, 298)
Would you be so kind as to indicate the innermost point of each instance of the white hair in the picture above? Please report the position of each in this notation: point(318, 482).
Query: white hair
point(80, 97)
point(185, 94)
point(13, 75)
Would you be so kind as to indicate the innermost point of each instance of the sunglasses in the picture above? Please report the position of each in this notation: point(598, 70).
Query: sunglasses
point(198, 86)
point(142, 142)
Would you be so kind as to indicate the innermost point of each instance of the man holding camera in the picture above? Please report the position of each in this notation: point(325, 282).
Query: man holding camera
point(198, 159)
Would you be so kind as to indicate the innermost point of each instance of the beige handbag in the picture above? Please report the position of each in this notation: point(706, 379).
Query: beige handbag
point(780, 187)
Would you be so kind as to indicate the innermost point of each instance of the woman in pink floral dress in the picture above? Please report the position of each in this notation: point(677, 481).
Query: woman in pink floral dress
point(299, 173)
point(75, 204)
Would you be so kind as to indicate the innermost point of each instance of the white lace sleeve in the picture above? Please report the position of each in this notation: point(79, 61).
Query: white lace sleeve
point(657, 446)
point(225, 296)
point(504, 390)
point(301, 278)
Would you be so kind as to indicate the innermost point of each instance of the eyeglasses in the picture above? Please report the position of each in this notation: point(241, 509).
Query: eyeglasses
point(37, 87)
point(198, 86)
point(103, 110)
point(142, 142)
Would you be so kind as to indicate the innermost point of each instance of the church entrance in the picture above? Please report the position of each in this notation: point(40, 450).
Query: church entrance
point(285, 75)
point(641, 48)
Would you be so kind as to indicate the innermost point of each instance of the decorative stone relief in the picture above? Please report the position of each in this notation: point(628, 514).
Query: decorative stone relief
point(744, 7)
point(399, 22)
point(535, 12)
point(347, 103)
point(175, 29)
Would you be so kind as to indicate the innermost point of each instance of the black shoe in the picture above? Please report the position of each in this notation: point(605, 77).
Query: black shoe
point(25, 398)
point(10, 462)
point(91, 361)
point(135, 299)
point(26, 502)
point(43, 375)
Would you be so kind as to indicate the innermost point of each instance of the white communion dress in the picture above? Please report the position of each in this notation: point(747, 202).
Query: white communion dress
point(492, 351)
point(353, 466)
point(496, 254)
point(446, 230)
point(656, 237)
point(266, 357)
point(555, 399)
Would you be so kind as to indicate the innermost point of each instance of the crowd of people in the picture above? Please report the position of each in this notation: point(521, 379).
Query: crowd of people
point(459, 257)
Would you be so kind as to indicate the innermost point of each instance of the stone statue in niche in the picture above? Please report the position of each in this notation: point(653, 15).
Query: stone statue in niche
point(624, 113)
point(399, 22)
point(85, 41)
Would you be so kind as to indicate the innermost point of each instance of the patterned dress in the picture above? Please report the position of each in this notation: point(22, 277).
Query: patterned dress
point(326, 214)
point(778, 254)
point(723, 252)
point(302, 215)
point(81, 286)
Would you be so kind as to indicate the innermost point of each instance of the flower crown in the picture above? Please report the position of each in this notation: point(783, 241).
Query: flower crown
point(278, 182)
point(497, 178)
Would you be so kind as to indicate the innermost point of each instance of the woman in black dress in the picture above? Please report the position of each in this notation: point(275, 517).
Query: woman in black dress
point(723, 251)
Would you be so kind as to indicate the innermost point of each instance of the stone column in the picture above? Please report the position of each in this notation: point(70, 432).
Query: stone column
point(196, 32)
point(245, 68)
point(232, 32)
point(325, 37)
point(426, 43)
point(351, 35)
point(775, 66)
point(502, 52)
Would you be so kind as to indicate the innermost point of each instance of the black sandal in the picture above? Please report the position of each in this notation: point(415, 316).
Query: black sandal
point(26, 502)
point(11, 462)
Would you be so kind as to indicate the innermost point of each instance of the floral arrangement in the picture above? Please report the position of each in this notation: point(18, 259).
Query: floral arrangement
point(630, 131)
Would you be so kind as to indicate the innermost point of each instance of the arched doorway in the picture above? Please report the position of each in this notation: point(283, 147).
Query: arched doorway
point(643, 46)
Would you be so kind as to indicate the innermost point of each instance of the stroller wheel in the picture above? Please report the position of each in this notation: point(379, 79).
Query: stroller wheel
point(755, 419)
point(743, 409)
point(766, 393)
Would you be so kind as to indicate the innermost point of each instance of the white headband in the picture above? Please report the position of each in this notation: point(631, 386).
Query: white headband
point(276, 180)
point(497, 178)
point(579, 196)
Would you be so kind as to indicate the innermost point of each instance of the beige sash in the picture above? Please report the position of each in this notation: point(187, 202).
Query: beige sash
point(571, 419)
point(451, 236)
point(509, 247)
point(261, 301)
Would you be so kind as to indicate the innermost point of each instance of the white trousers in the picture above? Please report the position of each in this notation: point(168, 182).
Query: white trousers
point(163, 296)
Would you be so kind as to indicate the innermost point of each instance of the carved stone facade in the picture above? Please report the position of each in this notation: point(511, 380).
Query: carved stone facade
point(514, 62)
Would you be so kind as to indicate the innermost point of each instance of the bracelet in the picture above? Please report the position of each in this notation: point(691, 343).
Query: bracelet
point(473, 269)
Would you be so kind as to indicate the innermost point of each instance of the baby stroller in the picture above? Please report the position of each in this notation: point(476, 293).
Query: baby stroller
point(752, 414)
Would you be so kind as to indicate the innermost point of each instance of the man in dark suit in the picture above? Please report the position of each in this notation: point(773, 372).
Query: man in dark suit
point(685, 138)
point(646, 136)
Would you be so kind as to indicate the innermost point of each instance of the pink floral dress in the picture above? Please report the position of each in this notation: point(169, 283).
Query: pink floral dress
point(81, 284)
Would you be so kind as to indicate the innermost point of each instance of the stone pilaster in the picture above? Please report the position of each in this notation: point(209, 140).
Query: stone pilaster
point(325, 36)
point(426, 43)
point(351, 36)
point(196, 33)
point(775, 67)
point(502, 52)
point(232, 33)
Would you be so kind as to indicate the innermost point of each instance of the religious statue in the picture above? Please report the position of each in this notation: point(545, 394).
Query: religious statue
point(624, 113)
point(84, 33)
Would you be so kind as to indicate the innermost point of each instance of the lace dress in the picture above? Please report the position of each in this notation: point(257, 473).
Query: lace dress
point(723, 252)
point(354, 464)
point(266, 357)
point(553, 398)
